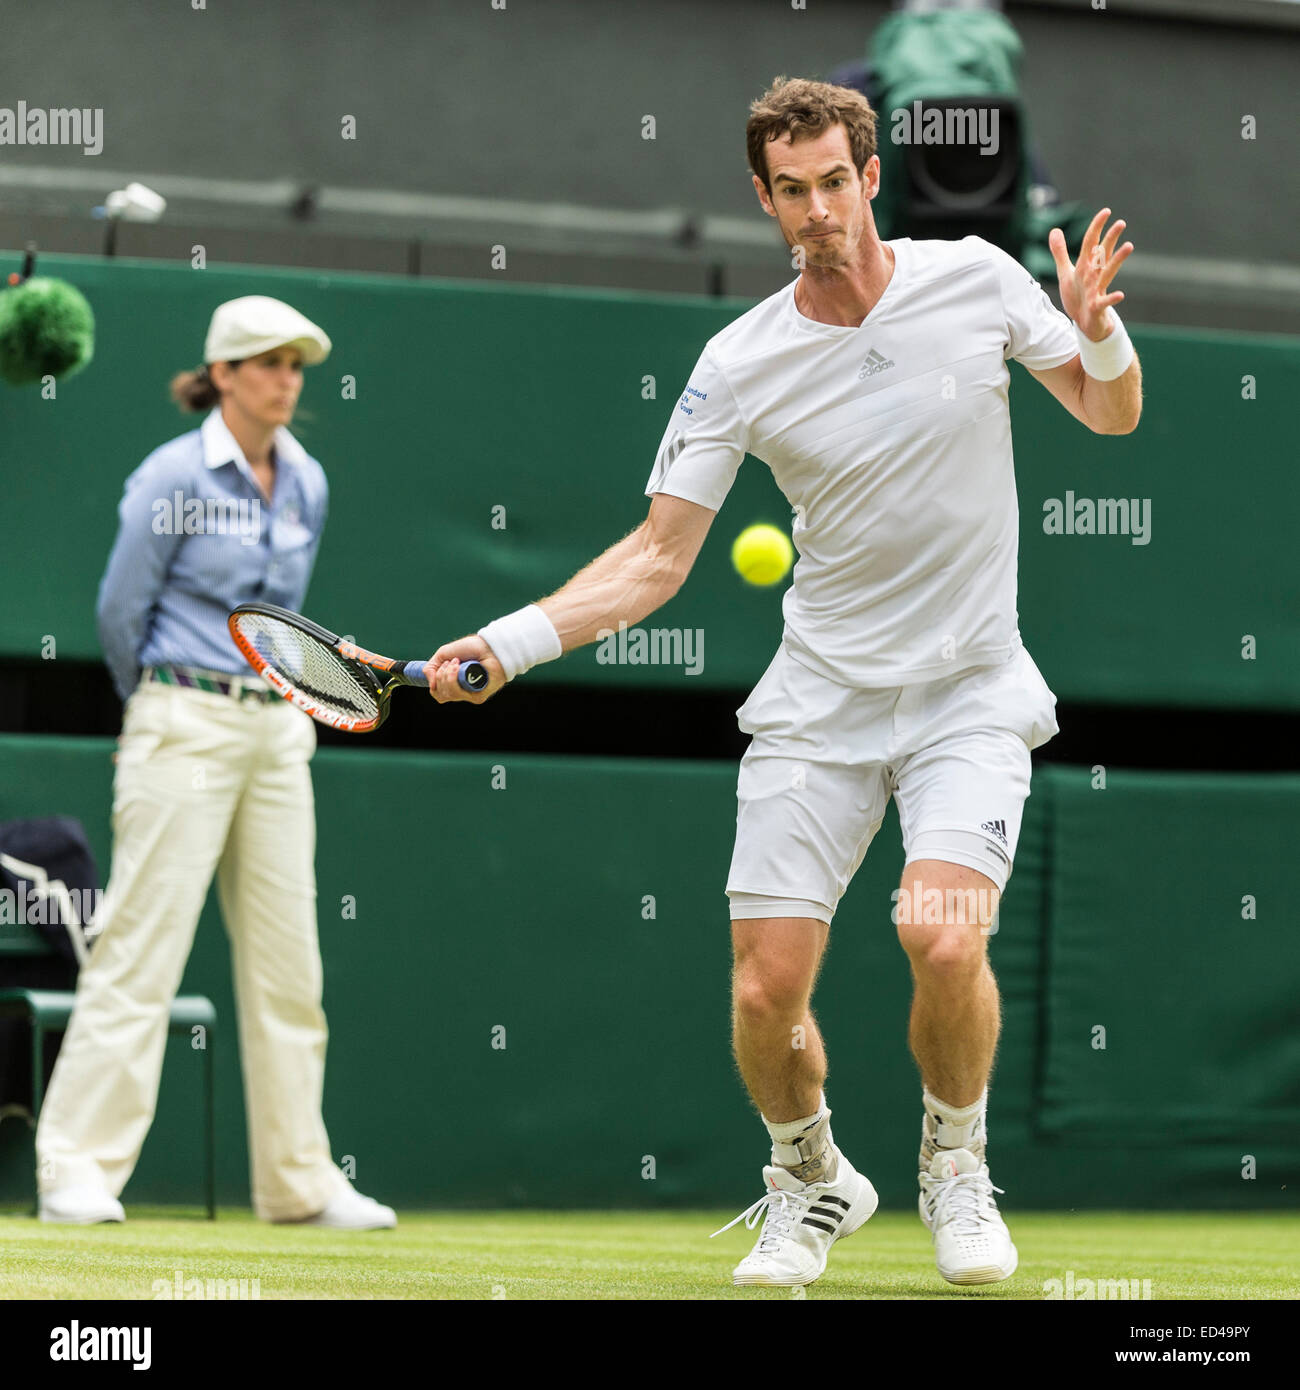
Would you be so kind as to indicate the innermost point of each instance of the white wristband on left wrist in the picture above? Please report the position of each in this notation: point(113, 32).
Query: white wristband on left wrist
point(1110, 358)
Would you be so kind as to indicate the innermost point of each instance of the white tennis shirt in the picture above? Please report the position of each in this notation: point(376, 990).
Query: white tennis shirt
point(892, 443)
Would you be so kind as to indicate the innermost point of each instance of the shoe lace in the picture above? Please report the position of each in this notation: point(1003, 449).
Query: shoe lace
point(782, 1207)
point(964, 1200)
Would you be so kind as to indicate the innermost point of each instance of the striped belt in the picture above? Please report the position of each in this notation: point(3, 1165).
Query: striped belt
point(215, 682)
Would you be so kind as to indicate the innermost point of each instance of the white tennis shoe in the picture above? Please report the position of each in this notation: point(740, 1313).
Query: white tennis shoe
point(350, 1211)
point(971, 1242)
point(86, 1205)
point(803, 1221)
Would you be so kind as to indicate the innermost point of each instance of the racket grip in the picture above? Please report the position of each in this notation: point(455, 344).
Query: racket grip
point(472, 676)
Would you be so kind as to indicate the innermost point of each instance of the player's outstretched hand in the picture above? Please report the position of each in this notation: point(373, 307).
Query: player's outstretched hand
point(1084, 285)
point(443, 665)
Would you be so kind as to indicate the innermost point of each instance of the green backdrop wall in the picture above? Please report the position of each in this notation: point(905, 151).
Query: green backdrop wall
point(472, 396)
point(524, 908)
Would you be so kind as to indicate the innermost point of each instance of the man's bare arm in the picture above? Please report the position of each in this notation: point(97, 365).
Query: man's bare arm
point(1106, 407)
point(633, 577)
point(626, 583)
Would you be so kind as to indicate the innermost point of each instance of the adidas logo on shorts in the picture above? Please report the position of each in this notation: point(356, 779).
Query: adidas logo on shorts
point(996, 827)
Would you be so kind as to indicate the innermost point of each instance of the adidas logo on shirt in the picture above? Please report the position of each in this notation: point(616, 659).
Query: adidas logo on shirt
point(875, 363)
point(996, 827)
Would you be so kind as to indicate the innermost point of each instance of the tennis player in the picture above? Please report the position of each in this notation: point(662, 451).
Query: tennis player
point(212, 777)
point(875, 387)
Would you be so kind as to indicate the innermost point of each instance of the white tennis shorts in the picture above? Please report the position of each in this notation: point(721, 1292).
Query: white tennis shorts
point(825, 759)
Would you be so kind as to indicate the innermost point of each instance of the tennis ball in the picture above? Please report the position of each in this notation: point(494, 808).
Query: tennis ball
point(762, 555)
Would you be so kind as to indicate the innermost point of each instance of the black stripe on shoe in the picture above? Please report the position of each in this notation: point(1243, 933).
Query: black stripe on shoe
point(836, 1216)
point(839, 1201)
point(821, 1225)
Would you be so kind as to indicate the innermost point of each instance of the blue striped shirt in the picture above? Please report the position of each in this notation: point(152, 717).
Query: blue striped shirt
point(195, 537)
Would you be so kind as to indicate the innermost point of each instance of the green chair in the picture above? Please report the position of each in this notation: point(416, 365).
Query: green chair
point(48, 1011)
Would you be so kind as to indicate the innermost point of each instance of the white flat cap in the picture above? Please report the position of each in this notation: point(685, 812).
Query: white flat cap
point(244, 327)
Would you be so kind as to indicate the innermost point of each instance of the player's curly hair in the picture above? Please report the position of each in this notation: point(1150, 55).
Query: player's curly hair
point(804, 109)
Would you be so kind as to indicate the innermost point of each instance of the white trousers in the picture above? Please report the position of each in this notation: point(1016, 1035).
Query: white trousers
point(204, 784)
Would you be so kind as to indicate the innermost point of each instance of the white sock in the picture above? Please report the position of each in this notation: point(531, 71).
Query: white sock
point(955, 1126)
point(805, 1147)
point(788, 1130)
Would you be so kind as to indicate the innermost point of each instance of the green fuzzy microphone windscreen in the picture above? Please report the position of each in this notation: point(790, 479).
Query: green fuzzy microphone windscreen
point(46, 329)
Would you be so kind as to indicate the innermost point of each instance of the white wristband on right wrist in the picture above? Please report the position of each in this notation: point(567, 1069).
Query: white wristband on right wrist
point(522, 639)
point(1110, 358)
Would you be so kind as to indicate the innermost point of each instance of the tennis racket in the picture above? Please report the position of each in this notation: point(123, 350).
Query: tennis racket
point(336, 682)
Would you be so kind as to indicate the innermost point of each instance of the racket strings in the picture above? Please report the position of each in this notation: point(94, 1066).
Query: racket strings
point(310, 666)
